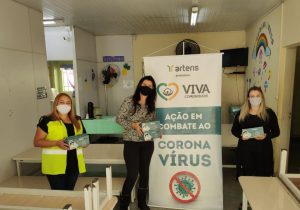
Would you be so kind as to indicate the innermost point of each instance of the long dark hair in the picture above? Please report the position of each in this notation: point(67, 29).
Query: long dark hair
point(150, 101)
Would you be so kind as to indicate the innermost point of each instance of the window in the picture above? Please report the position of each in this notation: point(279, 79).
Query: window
point(67, 79)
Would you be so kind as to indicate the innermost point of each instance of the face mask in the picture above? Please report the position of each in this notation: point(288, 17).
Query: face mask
point(255, 101)
point(63, 108)
point(145, 90)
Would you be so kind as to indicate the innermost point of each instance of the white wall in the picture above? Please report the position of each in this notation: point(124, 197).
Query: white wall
point(291, 16)
point(115, 46)
point(280, 70)
point(290, 41)
point(23, 68)
point(85, 60)
point(59, 43)
point(268, 66)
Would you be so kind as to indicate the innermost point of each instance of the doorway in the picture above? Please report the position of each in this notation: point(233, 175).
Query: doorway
point(61, 78)
point(294, 145)
point(60, 58)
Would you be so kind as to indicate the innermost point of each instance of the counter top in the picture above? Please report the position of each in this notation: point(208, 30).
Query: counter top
point(104, 125)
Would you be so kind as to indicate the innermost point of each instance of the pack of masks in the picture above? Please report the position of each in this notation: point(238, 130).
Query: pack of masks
point(74, 142)
point(252, 132)
point(151, 131)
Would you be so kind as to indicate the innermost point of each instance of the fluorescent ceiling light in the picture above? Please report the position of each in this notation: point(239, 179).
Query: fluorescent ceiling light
point(49, 22)
point(194, 15)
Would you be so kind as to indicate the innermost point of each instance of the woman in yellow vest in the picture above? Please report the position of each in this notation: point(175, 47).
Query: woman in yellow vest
point(61, 165)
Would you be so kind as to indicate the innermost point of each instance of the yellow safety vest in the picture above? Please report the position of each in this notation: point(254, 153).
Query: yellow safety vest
point(54, 159)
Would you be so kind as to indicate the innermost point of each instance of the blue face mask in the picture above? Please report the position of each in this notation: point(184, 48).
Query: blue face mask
point(255, 101)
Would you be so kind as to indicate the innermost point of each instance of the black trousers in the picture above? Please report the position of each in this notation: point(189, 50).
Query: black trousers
point(137, 156)
point(63, 181)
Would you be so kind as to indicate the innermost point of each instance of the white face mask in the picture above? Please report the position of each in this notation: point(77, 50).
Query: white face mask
point(63, 108)
point(255, 101)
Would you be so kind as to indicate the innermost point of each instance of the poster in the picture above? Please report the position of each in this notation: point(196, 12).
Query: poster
point(186, 166)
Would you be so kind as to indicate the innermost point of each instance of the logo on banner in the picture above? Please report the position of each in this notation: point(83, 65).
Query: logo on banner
point(184, 186)
point(167, 91)
point(196, 90)
point(182, 68)
point(170, 67)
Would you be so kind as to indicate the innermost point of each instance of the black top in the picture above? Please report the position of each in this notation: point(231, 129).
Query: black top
point(271, 128)
point(72, 162)
point(253, 146)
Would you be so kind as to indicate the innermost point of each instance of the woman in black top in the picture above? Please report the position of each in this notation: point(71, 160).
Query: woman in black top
point(50, 134)
point(255, 155)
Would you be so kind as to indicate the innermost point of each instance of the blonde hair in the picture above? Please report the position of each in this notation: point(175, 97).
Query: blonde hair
point(55, 116)
point(245, 108)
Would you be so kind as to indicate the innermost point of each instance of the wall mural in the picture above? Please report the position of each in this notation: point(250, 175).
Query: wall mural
point(261, 56)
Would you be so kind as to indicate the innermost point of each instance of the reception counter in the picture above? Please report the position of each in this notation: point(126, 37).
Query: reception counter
point(105, 125)
point(104, 130)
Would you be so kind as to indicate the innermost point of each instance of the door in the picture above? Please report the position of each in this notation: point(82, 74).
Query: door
point(294, 145)
point(286, 81)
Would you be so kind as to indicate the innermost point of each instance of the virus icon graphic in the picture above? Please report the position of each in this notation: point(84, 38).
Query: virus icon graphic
point(184, 186)
point(187, 183)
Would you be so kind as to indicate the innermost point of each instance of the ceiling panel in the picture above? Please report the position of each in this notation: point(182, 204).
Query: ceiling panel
point(103, 17)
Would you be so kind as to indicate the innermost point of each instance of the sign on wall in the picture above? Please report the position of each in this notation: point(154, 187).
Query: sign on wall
point(113, 58)
point(41, 92)
point(186, 166)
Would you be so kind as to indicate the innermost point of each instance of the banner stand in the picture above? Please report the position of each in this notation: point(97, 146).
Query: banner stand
point(186, 166)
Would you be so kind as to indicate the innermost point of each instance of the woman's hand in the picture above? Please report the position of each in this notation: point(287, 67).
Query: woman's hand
point(244, 138)
point(40, 141)
point(136, 126)
point(61, 144)
point(261, 137)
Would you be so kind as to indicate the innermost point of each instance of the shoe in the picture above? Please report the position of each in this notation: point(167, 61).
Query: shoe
point(124, 201)
point(141, 197)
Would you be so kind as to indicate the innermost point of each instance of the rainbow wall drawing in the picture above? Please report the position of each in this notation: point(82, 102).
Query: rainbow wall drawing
point(261, 71)
point(261, 44)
